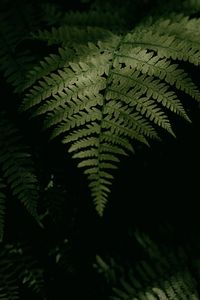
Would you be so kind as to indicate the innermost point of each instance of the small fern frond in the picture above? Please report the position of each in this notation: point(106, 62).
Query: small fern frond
point(17, 166)
point(154, 89)
point(72, 35)
point(191, 5)
point(111, 92)
point(165, 44)
point(186, 7)
point(2, 208)
point(18, 268)
point(163, 275)
point(94, 17)
point(14, 29)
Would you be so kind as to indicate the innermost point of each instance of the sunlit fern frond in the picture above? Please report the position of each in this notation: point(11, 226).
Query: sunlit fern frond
point(16, 23)
point(104, 95)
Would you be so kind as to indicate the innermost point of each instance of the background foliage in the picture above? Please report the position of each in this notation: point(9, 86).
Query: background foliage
point(53, 244)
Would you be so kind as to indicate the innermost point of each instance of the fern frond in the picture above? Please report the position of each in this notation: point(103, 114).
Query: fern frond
point(94, 17)
point(153, 65)
point(16, 22)
point(73, 35)
point(8, 288)
point(49, 64)
point(163, 275)
point(153, 88)
point(107, 94)
point(187, 7)
point(181, 285)
point(17, 166)
point(30, 274)
point(74, 74)
point(165, 45)
point(181, 27)
point(18, 268)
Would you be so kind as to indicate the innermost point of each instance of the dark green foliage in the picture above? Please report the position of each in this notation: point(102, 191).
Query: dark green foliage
point(164, 274)
point(18, 267)
point(107, 79)
point(103, 90)
point(17, 169)
point(2, 208)
point(93, 18)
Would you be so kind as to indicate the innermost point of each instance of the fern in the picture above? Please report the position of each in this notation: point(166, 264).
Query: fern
point(17, 167)
point(102, 88)
point(186, 6)
point(18, 267)
point(16, 22)
point(95, 17)
point(104, 95)
point(54, 200)
point(163, 275)
point(72, 35)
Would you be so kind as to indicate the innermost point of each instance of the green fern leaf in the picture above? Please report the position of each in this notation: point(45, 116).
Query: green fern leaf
point(15, 23)
point(106, 95)
point(95, 17)
point(163, 275)
point(73, 35)
point(17, 167)
point(148, 63)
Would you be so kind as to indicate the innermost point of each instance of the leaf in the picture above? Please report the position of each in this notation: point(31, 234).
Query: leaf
point(103, 92)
